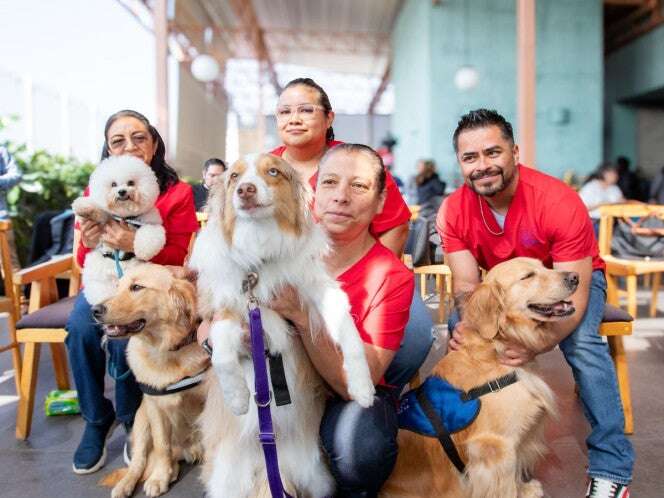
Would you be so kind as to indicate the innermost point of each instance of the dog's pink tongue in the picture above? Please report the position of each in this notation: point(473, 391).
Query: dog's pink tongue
point(562, 306)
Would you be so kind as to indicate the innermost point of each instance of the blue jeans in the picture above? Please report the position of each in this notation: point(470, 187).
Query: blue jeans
point(361, 443)
point(610, 454)
point(88, 364)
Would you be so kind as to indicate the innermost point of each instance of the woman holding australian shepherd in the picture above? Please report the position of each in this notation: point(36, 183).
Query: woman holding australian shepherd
point(126, 133)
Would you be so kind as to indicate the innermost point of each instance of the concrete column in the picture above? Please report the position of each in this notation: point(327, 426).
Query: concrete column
point(526, 99)
point(161, 53)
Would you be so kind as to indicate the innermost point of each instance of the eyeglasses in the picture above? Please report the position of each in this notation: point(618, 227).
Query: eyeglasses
point(120, 143)
point(305, 111)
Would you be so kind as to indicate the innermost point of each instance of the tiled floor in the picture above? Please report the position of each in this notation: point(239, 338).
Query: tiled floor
point(41, 466)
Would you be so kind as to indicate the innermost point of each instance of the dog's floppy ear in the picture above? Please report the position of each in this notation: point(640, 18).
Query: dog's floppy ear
point(483, 310)
point(183, 296)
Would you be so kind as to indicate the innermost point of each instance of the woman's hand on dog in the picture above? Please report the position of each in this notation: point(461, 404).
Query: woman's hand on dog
point(514, 355)
point(91, 232)
point(119, 236)
point(287, 303)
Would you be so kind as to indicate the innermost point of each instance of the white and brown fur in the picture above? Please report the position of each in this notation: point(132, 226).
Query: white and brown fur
point(278, 239)
point(502, 446)
point(121, 186)
point(158, 312)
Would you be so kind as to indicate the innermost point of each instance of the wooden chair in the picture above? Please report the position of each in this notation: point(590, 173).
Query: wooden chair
point(443, 277)
point(9, 303)
point(44, 324)
point(628, 268)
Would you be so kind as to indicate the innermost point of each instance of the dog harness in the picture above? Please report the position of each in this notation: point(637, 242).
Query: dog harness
point(438, 409)
point(176, 387)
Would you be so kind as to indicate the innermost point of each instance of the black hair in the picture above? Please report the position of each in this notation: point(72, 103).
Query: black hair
point(324, 100)
point(481, 118)
point(166, 176)
point(373, 156)
point(601, 170)
point(214, 161)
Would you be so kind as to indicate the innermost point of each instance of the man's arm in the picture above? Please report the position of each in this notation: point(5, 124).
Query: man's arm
point(465, 273)
point(579, 299)
point(395, 239)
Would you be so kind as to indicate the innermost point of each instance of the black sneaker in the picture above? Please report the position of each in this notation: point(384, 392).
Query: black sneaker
point(603, 488)
point(126, 452)
point(90, 456)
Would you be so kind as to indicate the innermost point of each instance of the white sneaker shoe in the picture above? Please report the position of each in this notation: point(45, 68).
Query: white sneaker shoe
point(603, 488)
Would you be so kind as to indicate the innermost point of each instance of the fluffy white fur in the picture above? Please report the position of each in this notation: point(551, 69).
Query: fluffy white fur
point(280, 257)
point(121, 186)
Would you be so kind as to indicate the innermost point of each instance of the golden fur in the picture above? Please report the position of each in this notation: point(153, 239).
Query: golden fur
point(159, 353)
point(506, 440)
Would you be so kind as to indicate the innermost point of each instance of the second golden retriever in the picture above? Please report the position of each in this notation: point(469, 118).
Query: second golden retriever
point(157, 311)
point(517, 302)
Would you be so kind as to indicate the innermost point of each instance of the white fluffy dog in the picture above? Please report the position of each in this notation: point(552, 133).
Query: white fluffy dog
point(259, 222)
point(123, 188)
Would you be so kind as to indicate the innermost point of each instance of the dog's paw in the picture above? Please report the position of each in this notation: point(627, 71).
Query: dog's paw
point(194, 453)
point(156, 486)
point(531, 489)
point(238, 401)
point(123, 489)
point(362, 391)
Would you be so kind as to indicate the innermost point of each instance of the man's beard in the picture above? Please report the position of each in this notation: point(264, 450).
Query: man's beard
point(489, 191)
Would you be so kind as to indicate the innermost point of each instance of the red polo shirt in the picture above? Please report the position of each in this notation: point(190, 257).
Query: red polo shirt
point(546, 220)
point(395, 211)
point(380, 290)
point(176, 207)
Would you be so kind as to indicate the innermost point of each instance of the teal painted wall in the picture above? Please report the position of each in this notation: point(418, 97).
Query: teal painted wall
point(483, 33)
point(631, 72)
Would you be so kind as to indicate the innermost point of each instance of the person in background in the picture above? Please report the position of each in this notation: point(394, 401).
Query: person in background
point(126, 132)
point(212, 171)
point(304, 123)
point(10, 175)
point(426, 185)
point(599, 190)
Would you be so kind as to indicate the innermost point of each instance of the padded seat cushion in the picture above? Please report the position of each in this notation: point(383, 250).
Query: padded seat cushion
point(614, 314)
point(53, 316)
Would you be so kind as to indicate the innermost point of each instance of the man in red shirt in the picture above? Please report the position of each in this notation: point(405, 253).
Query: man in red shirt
point(505, 210)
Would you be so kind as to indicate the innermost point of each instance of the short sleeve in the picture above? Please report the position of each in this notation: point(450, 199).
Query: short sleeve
point(571, 234)
point(395, 211)
point(447, 225)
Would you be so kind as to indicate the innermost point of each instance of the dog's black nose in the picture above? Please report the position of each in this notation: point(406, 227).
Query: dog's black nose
point(246, 190)
point(98, 311)
point(571, 280)
point(122, 193)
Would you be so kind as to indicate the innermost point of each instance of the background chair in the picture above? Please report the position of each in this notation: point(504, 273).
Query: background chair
point(9, 303)
point(44, 324)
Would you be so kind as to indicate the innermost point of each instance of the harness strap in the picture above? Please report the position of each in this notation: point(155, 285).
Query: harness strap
point(492, 386)
point(278, 378)
point(441, 433)
point(176, 387)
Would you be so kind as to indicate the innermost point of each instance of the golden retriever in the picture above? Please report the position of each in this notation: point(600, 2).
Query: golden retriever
point(517, 302)
point(157, 311)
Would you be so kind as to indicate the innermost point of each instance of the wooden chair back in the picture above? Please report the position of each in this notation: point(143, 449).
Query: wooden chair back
point(608, 215)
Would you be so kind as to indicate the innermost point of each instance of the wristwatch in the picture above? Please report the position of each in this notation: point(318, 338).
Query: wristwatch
point(206, 346)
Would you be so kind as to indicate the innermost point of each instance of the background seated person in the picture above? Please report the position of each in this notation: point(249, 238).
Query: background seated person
point(212, 171)
point(601, 189)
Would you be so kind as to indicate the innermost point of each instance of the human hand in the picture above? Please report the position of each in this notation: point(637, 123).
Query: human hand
point(515, 355)
point(456, 341)
point(90, 233)
point(118, 235)
point(287, 303)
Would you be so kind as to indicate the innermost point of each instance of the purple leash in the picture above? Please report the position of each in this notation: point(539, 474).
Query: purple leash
point(262, 395)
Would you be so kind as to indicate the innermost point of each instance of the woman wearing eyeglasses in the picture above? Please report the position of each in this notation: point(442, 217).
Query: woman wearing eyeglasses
point(304, 122)
point(126, 133)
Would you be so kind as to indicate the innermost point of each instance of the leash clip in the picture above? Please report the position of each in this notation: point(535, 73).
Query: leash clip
point(248, 285)
point(267, 403)
point(496, 383)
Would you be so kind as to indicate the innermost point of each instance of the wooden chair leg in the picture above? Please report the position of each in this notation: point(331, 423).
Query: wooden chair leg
point(60, 365)
point(423, 285)
point(656, 280)
point(620, 362)
point(26, 401)
point(631, 295)
point(441, 298)
point(16, 353)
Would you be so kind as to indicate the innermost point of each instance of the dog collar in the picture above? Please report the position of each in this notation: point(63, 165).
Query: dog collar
point(186, 341)
point(492, 386)
point(123, 256)
point(129, 220)
point(176, 387)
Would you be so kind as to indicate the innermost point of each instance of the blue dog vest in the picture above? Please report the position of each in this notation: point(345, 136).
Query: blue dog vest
point(447, 402)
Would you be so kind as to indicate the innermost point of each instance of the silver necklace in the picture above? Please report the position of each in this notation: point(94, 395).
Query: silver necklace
point(502, 232)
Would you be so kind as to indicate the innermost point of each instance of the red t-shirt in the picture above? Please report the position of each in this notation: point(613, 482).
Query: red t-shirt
point(176, 207)
point(395, 211)
point(380, 290)
point(546, 220)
